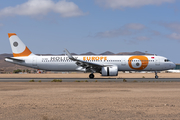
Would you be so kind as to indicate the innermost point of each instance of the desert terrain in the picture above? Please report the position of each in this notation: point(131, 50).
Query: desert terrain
point(90, 101)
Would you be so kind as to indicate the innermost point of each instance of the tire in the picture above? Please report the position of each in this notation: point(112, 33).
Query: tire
point(156, 77)
point(91, 76)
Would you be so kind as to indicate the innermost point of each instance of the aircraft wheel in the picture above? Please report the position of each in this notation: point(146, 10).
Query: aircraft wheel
point(91, 76)
point(156, 77)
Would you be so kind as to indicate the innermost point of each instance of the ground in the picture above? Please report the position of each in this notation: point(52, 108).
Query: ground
point(91, 100)
point(86, 75)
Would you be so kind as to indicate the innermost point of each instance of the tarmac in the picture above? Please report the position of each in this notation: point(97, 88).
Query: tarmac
point(91, 80)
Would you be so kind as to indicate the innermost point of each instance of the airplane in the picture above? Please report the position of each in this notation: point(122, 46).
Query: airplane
point(106, 65)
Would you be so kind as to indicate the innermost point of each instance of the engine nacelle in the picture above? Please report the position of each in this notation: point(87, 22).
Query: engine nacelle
point(109, 71)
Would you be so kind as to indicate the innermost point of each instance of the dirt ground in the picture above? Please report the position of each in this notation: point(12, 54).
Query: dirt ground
point(90, 101)
point(86, 75)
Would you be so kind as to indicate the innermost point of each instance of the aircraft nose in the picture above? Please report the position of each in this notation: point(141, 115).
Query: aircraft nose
point(173, 65)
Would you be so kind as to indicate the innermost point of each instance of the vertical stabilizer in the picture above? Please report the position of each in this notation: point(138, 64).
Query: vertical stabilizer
point(19, 49)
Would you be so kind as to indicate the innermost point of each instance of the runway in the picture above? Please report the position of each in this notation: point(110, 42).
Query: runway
point(91, 80)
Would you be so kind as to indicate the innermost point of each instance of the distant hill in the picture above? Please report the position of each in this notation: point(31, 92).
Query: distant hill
point(91, 53)
point(88, 53)
point(133, 53)
point(9, 67)
point(2, 56)
point(107, 53)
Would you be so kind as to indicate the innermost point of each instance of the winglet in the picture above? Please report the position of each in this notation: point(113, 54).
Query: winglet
point(69, 54)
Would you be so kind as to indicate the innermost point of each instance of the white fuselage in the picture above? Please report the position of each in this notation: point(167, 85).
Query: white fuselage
point(123, 62)
point(107, 65)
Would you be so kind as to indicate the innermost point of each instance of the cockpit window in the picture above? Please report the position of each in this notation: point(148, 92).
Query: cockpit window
point(166, 60)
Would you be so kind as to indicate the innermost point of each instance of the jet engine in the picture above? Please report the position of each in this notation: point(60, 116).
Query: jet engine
point(109, 71)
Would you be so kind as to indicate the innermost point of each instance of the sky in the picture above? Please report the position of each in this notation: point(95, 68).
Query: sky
point(49, 26)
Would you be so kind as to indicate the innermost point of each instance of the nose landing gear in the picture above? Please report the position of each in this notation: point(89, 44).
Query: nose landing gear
point(91, 76)
point(156, 76)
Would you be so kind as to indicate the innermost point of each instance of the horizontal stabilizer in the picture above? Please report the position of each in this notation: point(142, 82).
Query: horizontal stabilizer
point(14, 59)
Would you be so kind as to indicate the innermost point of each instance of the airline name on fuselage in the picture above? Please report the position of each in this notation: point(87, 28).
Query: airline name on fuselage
point(58, 58)
point(84, 58)
point(95, 58)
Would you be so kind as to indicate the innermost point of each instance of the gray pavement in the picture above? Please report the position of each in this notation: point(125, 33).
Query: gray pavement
point(91, 80)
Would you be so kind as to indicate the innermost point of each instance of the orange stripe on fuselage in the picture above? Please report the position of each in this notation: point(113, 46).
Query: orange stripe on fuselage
point(11, 34)
point(144, 62)
point(26, 52)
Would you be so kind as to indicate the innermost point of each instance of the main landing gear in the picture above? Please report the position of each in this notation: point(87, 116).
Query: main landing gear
point(91, 76)
point(156, 76)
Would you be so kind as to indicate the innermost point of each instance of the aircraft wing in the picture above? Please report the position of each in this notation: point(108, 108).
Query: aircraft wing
point(88, 65)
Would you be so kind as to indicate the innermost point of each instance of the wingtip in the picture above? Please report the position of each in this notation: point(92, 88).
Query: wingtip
point(11, 34)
